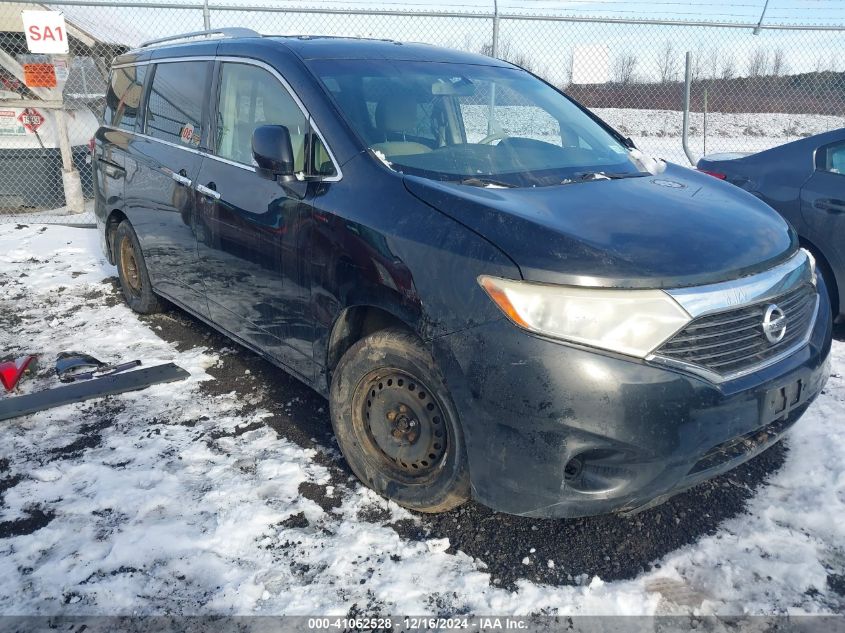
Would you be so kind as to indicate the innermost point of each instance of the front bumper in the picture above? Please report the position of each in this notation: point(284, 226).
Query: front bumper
point(554, 430)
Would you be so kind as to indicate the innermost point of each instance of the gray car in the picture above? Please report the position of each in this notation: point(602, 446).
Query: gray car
point(804, 181)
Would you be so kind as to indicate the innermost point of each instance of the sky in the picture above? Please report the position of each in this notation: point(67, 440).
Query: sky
point(824, 12)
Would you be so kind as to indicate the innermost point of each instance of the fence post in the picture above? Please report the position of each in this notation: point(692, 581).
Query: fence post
point(71, 180)
point(74, 200)
point(495, 28)
point(685, 137)
point(206, 16)
point(495, 55)
point(704, 122)
point(757, 28)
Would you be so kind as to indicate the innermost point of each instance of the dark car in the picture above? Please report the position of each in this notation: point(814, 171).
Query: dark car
point(804, 181)
point(501, 297)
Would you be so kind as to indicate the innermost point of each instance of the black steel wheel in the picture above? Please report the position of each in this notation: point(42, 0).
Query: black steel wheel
point(403, 422)
point(396, 424)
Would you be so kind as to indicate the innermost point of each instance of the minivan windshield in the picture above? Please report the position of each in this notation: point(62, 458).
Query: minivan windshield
point(479, 125)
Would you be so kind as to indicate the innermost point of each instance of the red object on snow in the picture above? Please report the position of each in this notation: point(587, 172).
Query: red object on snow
point(11, 372)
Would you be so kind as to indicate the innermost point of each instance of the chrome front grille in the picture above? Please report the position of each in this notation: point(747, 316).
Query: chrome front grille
point(733, 341)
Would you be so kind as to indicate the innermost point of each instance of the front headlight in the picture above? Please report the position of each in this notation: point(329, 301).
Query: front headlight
point(633, 322)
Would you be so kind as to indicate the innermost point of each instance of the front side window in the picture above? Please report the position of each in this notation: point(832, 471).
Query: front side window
point(832, 158)
point(459, 121)
point(175, 102)
point(123, 97)
point(249, 98)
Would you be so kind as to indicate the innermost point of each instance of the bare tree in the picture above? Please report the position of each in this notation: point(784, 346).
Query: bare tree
point(624, 67)
point(714, 61)
point(697, 67)
point(509, 53)
point(567, 69)
point(668, 64)
point(758, 63)
point(779, 65)
point(728, 68)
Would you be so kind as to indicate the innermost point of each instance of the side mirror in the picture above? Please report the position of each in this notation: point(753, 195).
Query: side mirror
point(272, 149)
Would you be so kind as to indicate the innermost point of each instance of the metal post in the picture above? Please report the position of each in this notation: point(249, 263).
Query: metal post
point(495, 28)
point(704, 123)
point(206, 16)
point(74, 200)
point(64, 139)
point(494, 54)
point(687, 81)
point(756, 30)
point(71, 181)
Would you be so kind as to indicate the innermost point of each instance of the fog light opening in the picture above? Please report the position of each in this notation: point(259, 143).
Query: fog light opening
point(573, 469)
point(598, 471)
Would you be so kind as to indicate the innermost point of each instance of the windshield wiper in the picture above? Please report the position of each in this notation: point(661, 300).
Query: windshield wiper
point(474, 181)
point(586, 176)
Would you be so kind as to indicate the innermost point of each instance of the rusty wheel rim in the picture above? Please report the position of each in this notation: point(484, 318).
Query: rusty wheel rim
point(129, 265)
point(404, 421)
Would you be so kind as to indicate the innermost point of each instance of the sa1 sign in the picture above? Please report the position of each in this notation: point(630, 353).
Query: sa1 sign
point(45, 32)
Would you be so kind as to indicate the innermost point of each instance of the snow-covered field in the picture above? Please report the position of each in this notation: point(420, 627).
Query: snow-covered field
point(182, 499)
point(658, 132)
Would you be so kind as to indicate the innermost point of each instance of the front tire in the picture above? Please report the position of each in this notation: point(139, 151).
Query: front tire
point(132, 271)
point(396, 424)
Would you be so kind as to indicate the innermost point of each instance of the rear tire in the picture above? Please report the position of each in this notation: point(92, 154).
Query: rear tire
point(396, 424)
point(132, 271)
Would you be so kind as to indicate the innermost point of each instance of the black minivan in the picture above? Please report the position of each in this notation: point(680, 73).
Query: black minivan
point(502, 298)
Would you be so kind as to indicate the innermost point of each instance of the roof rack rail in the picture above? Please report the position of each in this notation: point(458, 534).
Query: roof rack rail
point(225, 32)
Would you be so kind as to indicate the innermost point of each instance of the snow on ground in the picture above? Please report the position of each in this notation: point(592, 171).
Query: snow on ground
point(59, 215)
point(176, 499)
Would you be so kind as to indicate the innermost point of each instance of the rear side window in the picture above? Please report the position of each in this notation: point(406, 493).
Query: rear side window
point(123, 98)
point(175, 103)
point(249, 98)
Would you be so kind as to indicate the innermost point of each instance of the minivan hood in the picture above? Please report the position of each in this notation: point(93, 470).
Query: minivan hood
point(678, 228)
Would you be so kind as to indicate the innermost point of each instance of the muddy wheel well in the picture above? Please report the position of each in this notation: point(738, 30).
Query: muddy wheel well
point(114, 219)
point(827, 271)
point(355, 323)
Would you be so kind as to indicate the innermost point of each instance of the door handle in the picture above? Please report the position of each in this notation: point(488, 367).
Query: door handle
point(208, 191)
point(834, 206)
point(111, 170)
point(182, 180)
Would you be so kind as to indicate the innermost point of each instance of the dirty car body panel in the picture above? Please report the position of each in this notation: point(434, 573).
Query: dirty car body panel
point(552, 427)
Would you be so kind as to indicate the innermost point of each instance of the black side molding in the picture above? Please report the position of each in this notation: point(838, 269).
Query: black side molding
point(95, 388)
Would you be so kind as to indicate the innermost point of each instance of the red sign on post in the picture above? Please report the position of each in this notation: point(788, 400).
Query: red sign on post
point(31, 119)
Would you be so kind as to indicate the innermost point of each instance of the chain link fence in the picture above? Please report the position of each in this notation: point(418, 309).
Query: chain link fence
point(752, 86)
